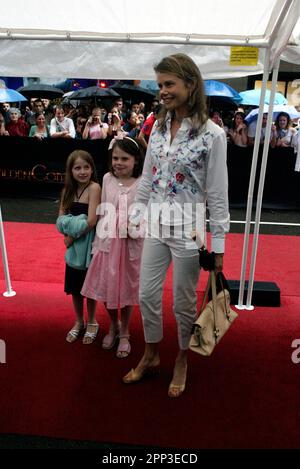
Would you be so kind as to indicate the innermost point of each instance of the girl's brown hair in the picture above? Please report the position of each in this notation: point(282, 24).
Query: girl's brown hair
point(70, 187)
point(183, 67)
point(134, 148)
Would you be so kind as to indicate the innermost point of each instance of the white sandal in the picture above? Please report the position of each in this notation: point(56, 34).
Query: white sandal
point(90, 335)
point(74, 334)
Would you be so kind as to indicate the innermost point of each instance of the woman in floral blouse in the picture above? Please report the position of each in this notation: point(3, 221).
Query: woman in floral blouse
point(185, 169)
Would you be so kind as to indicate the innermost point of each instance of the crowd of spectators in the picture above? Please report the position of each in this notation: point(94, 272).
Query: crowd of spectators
point(284, 131)
point(43, 120)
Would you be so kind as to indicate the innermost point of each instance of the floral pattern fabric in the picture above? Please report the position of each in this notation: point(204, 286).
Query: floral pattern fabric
point(191, 169)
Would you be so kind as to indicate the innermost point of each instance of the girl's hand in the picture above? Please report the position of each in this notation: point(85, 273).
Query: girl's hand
point(133, 231)
point(68, 241)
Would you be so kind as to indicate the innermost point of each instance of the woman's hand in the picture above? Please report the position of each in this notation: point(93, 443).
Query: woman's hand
point(116, 117)
point(218, 263)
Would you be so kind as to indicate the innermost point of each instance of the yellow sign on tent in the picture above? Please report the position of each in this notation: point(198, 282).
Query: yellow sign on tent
point(243, 56)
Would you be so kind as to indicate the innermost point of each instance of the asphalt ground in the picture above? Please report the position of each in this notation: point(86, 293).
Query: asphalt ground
point(45, 210)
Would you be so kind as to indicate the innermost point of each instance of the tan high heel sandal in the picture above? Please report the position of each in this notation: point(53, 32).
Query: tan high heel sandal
point(134, 376)
point(176, 390)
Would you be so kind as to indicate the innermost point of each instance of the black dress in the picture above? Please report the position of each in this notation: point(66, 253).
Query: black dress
point(74, 278)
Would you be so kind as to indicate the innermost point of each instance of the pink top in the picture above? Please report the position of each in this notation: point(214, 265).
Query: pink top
point(95, 131)
point(116, 200)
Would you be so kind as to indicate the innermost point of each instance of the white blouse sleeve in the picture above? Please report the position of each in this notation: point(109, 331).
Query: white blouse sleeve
point(217, 193)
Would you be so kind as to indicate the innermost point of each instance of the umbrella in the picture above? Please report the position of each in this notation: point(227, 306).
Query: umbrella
point(133, 93)
point(277, 109)
point(149, 85)
point(252, 97)
point(220, 89)
point(67, 99)
point(41, 91)
point(94, 92)
point(10, 96)
point(220, 103)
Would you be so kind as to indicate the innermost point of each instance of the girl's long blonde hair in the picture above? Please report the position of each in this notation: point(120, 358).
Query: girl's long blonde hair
point(183, 67)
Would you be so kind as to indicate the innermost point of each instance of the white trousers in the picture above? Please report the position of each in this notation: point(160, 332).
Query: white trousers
point(156, 258)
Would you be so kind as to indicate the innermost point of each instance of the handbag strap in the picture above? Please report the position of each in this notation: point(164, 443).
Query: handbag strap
point(214, 300)
point(211, 283)
point(227, 307)
point(205, 294)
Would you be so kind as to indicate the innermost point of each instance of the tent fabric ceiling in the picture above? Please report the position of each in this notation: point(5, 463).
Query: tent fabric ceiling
point(118, 17)
point(101, 39)
point(292, 52)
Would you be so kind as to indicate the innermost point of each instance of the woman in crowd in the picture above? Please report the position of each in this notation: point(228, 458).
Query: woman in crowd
point(3, 131)
point(16, 126)
point(40, 130)
point(283, 134)
point(95, 128)
point(80, 126)
point(238, 133)
point(132, 125)
point(114, 122)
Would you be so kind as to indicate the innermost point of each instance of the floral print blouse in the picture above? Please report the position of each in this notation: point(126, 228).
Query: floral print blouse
point(188, 172)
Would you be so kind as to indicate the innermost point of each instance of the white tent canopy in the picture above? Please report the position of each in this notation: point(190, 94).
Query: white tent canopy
point(123, 40)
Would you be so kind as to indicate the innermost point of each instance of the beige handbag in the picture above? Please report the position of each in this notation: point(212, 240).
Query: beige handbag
point(214, 319)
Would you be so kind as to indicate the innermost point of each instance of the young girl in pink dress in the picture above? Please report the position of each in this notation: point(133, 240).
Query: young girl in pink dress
point(113, 274)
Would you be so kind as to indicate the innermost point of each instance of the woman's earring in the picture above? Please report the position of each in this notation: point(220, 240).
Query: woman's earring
point(190, 103)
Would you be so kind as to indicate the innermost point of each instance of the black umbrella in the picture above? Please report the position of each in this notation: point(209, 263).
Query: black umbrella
point(41, 91)
point(133, 93)
point(94, 92)
point(220, 103)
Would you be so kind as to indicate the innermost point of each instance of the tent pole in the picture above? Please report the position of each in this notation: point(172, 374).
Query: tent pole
point(240, 304)
point(9, 291)
point(261, 185)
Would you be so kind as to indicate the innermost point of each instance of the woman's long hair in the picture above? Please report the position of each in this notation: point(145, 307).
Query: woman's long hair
point(242, 115)
point(70, 188)
point(183, 67)
point(288, 120)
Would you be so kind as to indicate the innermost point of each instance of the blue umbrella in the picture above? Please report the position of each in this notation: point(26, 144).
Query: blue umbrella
point(277, 109)
point(252, 97)
point(220, 89)
point(149, 85)
point(10, 96)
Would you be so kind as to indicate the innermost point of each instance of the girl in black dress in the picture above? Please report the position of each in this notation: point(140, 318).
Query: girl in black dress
point(80, 195)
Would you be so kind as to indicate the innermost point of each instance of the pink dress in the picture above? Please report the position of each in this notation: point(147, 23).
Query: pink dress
point(113, 274)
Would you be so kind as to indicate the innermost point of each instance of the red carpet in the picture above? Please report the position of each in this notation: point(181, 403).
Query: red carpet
point(245, 396)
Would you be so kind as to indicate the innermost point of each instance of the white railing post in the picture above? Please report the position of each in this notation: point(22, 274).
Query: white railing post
point(9, 291)
point(240, 304)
